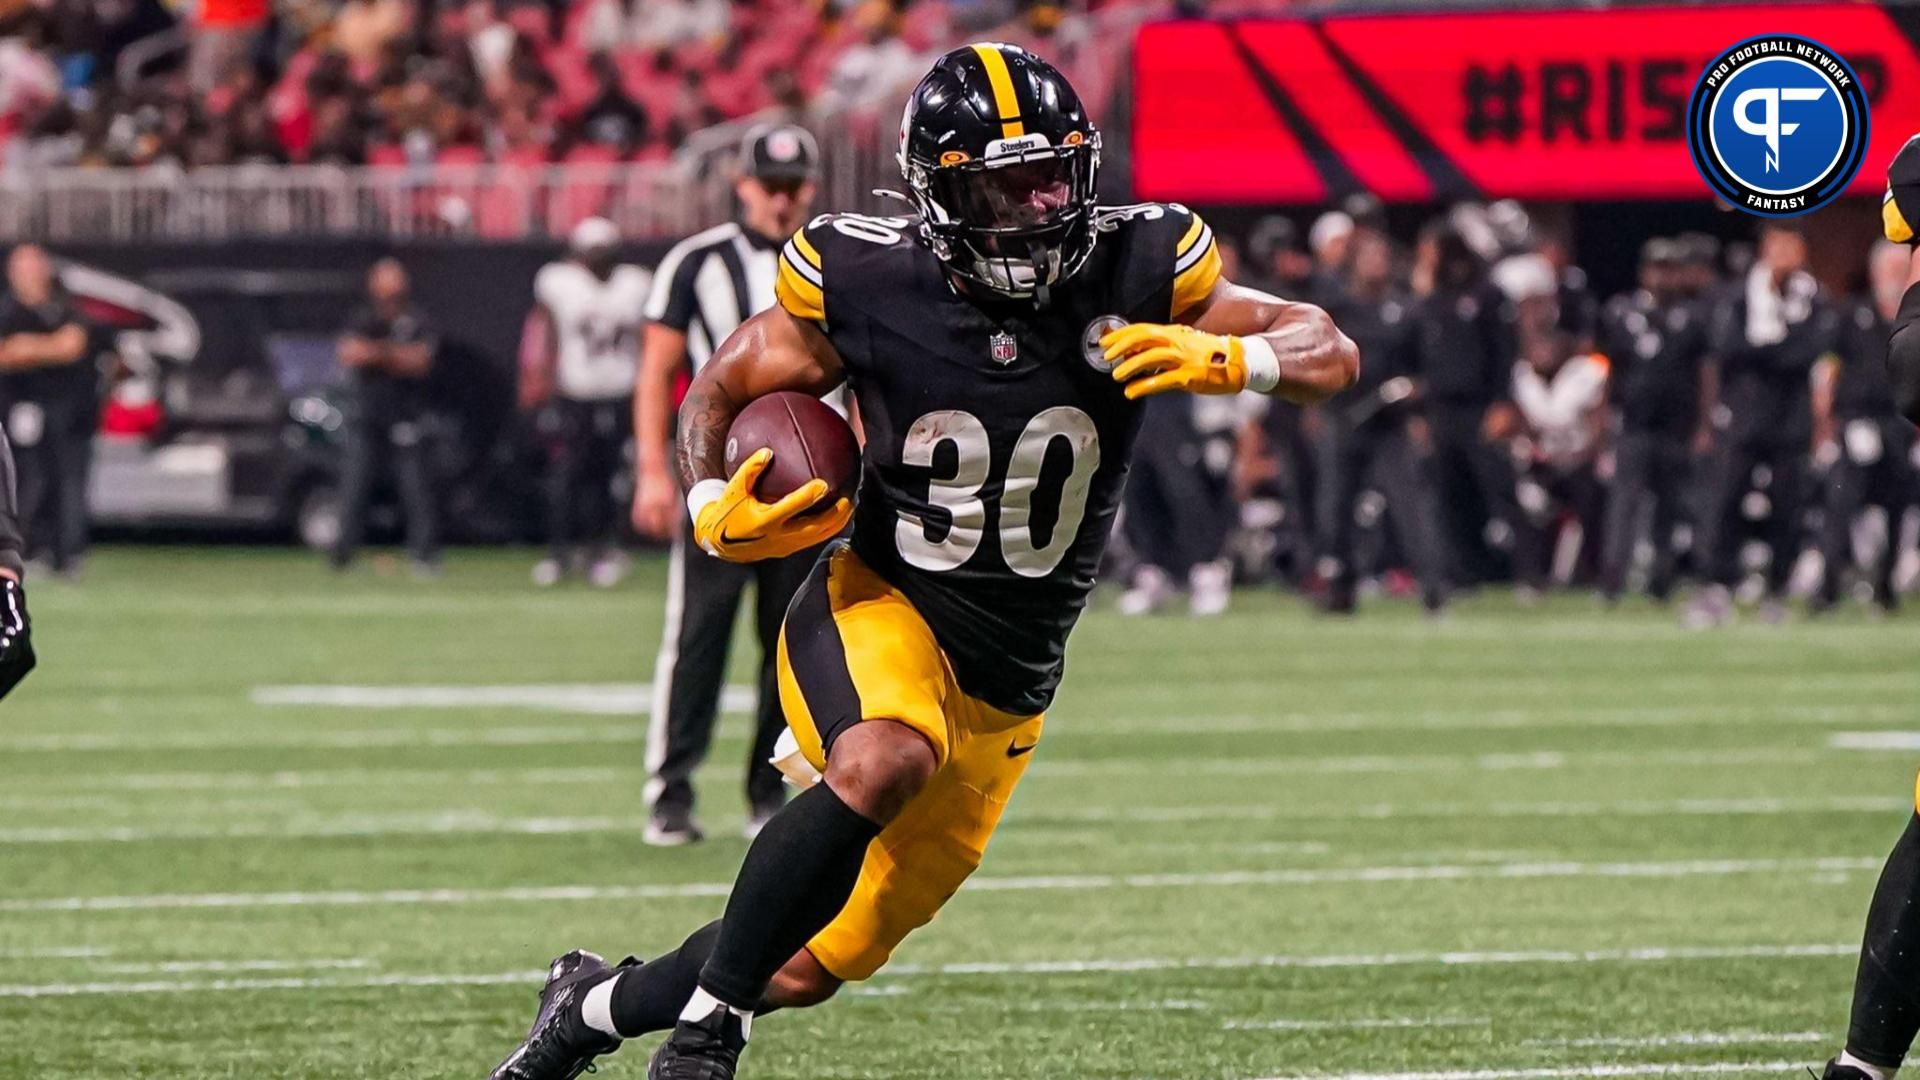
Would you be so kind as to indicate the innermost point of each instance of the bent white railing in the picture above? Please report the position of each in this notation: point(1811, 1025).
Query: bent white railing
point(482, 201)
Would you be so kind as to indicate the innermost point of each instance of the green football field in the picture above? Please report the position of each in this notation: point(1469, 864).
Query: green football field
point(260, 821)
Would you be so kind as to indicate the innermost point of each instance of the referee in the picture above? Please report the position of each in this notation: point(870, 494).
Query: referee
point(707, 285)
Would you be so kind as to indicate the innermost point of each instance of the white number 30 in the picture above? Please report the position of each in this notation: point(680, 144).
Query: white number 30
point(959, 494)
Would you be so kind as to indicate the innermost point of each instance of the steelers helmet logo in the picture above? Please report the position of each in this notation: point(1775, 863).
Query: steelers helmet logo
point(1100, 327)
point(1778, 125)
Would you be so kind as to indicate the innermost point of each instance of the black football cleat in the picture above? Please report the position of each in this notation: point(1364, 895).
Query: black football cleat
point(560, 1045)
point(706, 1049)
point(1837, 1071)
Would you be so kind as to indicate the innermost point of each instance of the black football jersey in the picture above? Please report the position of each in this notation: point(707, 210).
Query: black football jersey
point(1656, 350)
point(996, 439)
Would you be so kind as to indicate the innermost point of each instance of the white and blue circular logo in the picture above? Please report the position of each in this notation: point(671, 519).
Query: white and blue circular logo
point(1778, 125)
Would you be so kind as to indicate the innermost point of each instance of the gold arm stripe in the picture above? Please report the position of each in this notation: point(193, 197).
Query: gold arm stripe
point(1001, 79)
point(802, 298)
point(1193, 233)
point(806, 248)
point(1190, 286)
point(1899, 229)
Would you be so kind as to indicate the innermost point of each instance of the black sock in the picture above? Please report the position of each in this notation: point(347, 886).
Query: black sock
point(796, 878)
point(650, 997)
point(1886, 991)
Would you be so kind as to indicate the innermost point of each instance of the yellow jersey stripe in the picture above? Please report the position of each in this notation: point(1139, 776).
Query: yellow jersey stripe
point(1001, 80)
point(806, 248)
point(802, 298)
point(1193, 233)
point(1899, 229)
point(1190, 286)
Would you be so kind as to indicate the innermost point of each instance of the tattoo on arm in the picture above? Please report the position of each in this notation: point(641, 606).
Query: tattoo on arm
point(705, 416)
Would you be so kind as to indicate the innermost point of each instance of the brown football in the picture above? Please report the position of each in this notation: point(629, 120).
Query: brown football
point(808, 439)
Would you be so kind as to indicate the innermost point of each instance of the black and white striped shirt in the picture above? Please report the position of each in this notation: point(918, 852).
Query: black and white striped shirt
point(710, 283)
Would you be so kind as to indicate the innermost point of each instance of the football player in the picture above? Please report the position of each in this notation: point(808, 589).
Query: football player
point(577, 380)
point(1886, 989)
point(999, 342)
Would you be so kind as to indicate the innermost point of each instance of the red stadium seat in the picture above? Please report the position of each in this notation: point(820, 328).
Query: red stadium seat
point(460, 155)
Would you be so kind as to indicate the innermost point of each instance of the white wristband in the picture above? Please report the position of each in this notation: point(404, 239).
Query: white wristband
point(703, 493)
point(1263, 367)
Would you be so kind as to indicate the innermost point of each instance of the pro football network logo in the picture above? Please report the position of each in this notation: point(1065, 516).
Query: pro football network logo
point(1778, 125)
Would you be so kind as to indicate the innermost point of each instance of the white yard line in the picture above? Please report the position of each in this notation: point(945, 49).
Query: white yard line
point(1365, 811)
point(1416, 763)
point(603, 699)
point(294, 779)
point(1874, 740)
point(1061, 967)
point(56, 952)
point(427, 824)
point(341, 739)
point(187, 967)
point(1692, 1038)
point(1020, 830)
point(473, 823)
point(1378, 960)
point(291, 779)
point(1360, 1024)
point(1546, 716)
point(365, 982)
point(1365, 875)
point(1566, 1071)
point(571, 734)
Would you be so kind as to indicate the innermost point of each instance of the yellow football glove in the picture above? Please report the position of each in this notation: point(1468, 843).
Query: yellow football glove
point(1154, 358)
point(732, 524)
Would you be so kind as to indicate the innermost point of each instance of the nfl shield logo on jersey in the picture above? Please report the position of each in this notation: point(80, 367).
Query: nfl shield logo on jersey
point(1005, 349)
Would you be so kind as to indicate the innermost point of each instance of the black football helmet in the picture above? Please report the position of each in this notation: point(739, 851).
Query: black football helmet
point(1001, 161)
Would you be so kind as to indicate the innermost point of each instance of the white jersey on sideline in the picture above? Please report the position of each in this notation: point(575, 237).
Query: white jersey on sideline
point(597, 326)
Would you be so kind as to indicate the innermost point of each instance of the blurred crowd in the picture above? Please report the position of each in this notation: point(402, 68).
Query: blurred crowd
point(1726, 422)
point(222, 82)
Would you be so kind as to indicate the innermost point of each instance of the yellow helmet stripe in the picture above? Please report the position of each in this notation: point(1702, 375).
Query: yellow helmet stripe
point(1001, 79)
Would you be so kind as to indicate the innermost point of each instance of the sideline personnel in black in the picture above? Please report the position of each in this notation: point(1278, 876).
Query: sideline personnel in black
point(708, 284)
point(1856, 429)
point(1370, 435)
point(389, 347)
point(16, 642)
point(51, 407)
point(1656, 340)
point(1464, 353)
point(1766, 333)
